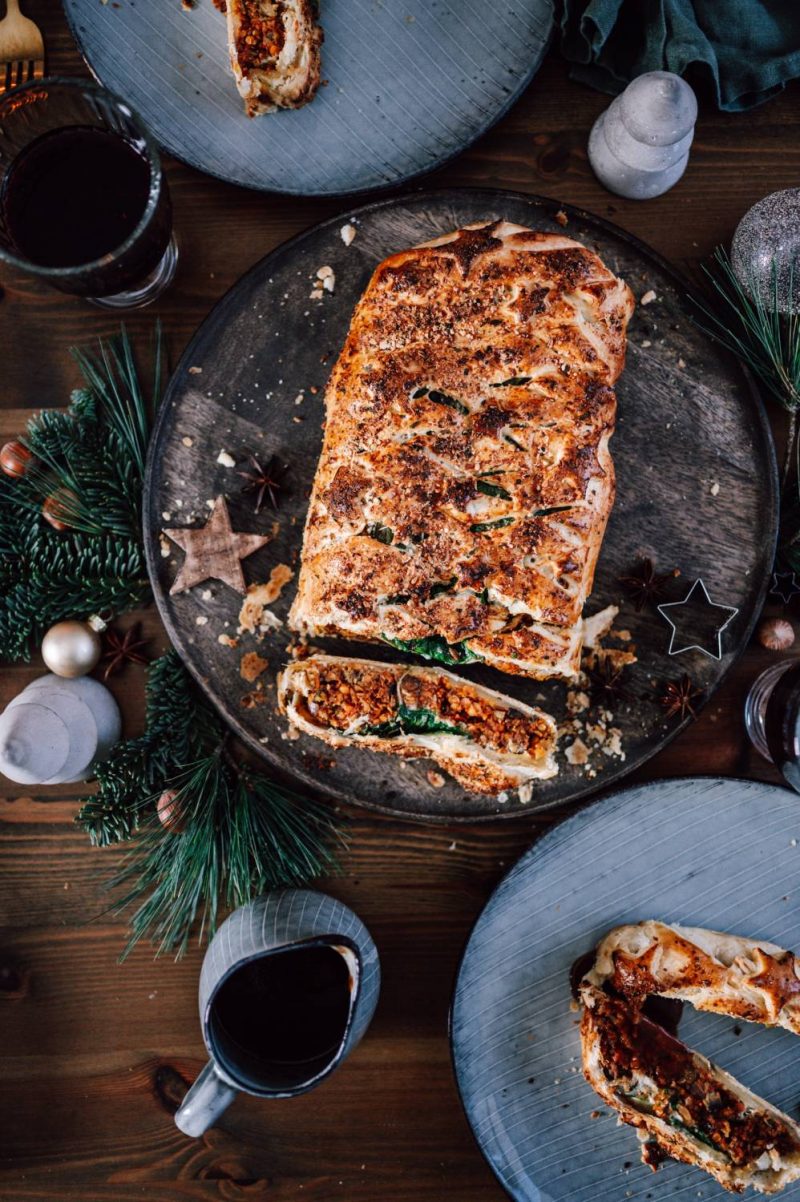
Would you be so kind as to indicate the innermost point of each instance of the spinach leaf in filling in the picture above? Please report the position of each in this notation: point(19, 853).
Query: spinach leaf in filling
point(413, 721)
point(384, 534)
point(436, 648)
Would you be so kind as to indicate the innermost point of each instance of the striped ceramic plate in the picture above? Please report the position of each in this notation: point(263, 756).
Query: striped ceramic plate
point(408, 84)
point(723, 854)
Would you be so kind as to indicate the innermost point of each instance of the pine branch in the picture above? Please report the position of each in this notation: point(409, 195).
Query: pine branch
point(92, 457)
point(234, 834)
point(768, 343)
point(766, 340)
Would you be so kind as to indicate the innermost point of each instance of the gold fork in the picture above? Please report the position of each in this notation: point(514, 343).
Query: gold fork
point(21, 49)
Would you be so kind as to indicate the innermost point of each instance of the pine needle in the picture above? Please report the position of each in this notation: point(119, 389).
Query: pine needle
point(767, 341)
point(234, 834)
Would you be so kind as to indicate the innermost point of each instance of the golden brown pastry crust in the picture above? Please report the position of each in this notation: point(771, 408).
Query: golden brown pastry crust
point(726, 974)
point(500, 743)
point(465, 481)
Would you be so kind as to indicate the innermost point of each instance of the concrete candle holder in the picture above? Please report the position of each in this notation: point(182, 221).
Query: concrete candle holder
point(57, 730)
point(639, 146)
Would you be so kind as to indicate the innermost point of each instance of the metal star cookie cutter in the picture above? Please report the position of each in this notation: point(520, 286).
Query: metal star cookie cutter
point(669, 612)
point(784, 585)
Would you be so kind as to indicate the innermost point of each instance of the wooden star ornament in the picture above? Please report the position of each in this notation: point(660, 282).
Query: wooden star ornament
point(214, 551)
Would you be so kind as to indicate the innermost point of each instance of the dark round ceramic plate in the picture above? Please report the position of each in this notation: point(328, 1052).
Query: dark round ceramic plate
point(408, 85)
point(703, 852)
point(695, 491)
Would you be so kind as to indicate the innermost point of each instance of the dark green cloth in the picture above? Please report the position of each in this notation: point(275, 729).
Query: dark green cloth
point(740, 52)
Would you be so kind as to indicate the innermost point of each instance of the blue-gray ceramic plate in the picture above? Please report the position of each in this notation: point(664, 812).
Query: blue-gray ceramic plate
point(706, 852)
point(409, 85)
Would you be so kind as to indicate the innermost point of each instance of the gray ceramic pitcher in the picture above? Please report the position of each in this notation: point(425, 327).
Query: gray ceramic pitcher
point(297, 938)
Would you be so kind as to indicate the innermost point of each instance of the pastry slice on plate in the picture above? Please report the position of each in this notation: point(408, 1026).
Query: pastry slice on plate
point(684, 1106)
point(275, 52)
point(486, 741)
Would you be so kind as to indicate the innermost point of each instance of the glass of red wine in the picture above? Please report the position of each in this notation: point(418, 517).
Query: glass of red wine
point(84, 203)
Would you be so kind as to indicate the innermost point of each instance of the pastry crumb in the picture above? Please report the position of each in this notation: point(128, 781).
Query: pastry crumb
point(252, 615)
point(598, 625)
point(347, 233)
point(648, 297)
point(435, 778)
point(226, 459)
point(252, 665)
point(577, 753)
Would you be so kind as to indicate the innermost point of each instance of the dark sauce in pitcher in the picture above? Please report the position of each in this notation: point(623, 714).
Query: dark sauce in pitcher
point(279, 1020)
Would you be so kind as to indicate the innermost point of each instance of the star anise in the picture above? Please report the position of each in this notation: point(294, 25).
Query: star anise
point(264, 481)
point(606, 681)
point(646, 584)
point(123, 648)
point(679, 698)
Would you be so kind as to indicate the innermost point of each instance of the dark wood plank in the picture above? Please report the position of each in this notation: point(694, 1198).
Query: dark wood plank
point(93, 1063)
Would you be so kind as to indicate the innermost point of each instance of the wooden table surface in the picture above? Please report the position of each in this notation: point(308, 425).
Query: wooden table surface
point(95, 1054)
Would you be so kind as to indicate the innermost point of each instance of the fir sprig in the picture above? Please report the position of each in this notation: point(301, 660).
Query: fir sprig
point(91, 456)
point(235, 833)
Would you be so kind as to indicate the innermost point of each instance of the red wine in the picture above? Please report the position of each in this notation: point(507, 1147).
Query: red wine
point(74, 195)
point(280, 1020)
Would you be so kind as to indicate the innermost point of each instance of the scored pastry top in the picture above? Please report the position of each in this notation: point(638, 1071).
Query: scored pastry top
point(465, 481)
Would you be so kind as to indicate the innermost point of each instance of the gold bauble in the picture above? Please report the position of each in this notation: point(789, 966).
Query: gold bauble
point(71, 648)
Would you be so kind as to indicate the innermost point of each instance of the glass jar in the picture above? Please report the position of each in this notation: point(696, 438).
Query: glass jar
point(772, 718)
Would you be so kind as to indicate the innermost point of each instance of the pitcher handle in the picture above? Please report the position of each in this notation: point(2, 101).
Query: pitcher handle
point(204, 1103)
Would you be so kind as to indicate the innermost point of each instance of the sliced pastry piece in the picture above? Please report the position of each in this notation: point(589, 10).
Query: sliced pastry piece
point(465, 479)
point(488, 742)
point(275, 52)
point(684, 1106)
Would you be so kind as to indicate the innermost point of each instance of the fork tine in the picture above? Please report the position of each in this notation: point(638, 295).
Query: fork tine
point(17, 72)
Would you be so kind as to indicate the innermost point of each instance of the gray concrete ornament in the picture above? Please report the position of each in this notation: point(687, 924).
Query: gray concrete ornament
point(57, 730)
point(639, 146)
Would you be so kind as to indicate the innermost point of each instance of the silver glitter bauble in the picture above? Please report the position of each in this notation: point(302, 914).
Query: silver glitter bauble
point(71, 648)
point(770, 233)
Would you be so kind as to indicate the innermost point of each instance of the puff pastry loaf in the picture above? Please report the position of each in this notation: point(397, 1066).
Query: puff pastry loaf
point(465, 480)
